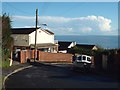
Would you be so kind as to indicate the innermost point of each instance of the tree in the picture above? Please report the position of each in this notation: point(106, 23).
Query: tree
point(7, 40)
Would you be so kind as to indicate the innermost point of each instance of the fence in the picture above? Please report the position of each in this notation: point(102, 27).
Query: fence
point(108, 62)
point(117, 63)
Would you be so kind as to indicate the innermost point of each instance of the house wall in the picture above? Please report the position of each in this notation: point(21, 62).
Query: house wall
point(95, 48)
point(21, 39)
point(63, 51)
point(72, 44)
point(21, 47)
point(42, 37)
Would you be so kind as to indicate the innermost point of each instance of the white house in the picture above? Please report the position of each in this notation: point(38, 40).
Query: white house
point(64, 46)
point(24, 38)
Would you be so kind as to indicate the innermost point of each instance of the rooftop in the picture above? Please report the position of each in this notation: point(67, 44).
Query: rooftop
point(85, 46)
point(63, 45)
point(27, 31)
point(22, 30)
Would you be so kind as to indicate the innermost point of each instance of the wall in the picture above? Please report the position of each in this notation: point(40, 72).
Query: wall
point(72, 44)
point(63, 51)
point(44, 56)
point(117, 63)
point(95, 48)
point(107, 62)
point(42, 37)
point(104, 62)
point(98, 61)
point(21, 39)
point(26, 55)
point(54, 57)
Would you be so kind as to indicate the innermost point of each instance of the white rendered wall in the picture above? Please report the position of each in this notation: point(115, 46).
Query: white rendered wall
point(42, 37)
point(71, 45)
point(63, 51)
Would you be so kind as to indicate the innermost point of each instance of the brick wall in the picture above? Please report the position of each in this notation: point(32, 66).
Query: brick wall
point(25, 55)
point(54, 57)
point(44, 56)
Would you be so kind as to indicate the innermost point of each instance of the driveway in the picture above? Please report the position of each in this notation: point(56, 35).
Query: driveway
point(59, 76)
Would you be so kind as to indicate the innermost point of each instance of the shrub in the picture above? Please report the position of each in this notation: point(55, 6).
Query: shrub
point(5, 64)
point(7, 40)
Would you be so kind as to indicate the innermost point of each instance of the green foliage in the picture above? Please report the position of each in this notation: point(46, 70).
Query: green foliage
point(7, 40)
point(5, 64)
point(80, 51)
point(86, 51)
point(76, 50)
point(0, 82)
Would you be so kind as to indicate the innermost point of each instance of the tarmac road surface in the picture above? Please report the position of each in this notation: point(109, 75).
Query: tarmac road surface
point(59, 76)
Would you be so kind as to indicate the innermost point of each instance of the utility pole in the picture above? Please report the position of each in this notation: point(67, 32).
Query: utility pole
point(36, 35)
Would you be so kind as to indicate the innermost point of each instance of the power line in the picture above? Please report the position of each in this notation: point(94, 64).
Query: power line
point(17, 9)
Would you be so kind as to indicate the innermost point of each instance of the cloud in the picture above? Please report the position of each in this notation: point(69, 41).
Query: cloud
point(61, 25)
point(86, 29)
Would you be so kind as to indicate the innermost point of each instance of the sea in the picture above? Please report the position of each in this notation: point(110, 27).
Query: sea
point(106, 42)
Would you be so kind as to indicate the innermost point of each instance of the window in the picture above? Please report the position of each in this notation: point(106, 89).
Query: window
point(84, 57)
point(15, 39)
point(17, 48)
point(88, 59)
point(41, 49)
point(79, 57)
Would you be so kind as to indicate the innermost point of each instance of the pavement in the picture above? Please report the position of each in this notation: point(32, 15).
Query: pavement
point(16, 66)
point(58, 76)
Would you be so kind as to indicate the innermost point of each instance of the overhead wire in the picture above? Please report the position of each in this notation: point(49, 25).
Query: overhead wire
point(17, 8)
point(32, 13)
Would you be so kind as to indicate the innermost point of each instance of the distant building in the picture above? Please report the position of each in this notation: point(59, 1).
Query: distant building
point(85, 46)
point(63, 46)
point(24, 39)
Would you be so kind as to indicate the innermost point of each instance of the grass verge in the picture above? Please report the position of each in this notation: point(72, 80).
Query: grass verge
point(5, 64)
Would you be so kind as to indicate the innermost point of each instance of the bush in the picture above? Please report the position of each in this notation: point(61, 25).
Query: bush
point(80, 51)
point(85, 51)
point(7, 40)
point(5, 64)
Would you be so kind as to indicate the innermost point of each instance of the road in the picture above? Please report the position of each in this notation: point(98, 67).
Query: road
point(59, 76)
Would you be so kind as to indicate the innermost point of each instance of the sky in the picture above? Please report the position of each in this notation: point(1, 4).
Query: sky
point(66, 18)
